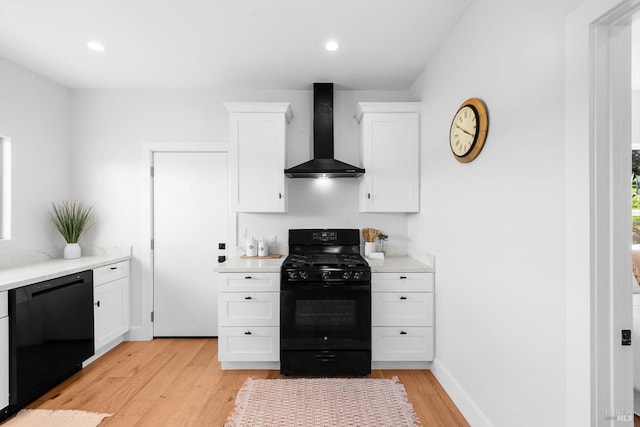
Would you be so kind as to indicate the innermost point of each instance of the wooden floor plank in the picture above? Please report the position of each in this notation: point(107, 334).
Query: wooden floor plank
point(178, 382)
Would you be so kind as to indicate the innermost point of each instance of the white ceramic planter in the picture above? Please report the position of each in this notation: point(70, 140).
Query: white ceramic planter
point(72, 251)
point(369, 247)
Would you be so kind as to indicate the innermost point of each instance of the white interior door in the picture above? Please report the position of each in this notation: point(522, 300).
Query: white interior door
point(190, 219)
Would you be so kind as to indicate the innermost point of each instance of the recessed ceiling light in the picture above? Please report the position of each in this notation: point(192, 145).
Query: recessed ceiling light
point(94, 45)
point(332, 46)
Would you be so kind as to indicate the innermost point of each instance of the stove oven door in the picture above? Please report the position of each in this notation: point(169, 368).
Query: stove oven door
point(325, 329)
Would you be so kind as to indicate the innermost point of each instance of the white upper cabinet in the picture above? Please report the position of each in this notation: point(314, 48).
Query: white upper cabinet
point(258, 131)
point(390, 143)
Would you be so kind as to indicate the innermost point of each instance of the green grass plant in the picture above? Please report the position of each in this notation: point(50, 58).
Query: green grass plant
point(71, 219)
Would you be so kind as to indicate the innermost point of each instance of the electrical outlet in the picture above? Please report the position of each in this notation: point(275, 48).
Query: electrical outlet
point(272, 240)
point(243, 234)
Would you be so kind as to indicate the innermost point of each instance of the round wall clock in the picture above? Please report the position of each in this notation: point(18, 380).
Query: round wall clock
point(469, 130)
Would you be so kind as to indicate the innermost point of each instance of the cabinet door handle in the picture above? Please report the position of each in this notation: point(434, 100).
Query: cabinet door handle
point(403, 297)
point(248, 333)
point(248, 277)
point(369, 196)
point(403, 277)
point(280, 196)
point(403, 333)
point(97, 304)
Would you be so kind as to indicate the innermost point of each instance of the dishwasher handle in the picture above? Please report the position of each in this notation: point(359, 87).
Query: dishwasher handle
point(42, 288)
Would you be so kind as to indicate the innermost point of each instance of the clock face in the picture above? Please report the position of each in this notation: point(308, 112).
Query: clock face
point(469, 129)
point(464, 131)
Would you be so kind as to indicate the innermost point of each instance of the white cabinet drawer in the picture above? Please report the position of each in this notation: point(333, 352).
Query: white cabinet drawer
point(402, 282)
point(110, 272)
point(401, 344)
point(249, 308)
point(249, 344)
point(397, 308)
point(257, 282)
point(4, 304)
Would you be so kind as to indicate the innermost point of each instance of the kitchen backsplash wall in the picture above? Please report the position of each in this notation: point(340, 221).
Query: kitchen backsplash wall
point(330, 203)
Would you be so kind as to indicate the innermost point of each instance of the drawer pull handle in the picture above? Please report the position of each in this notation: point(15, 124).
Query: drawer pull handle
point(403, 277)
point(97, 304)
point(248, 333)
point(403, 297)
point(113, 268)
point(248, 277)
point(247, 297)
point(403, 333)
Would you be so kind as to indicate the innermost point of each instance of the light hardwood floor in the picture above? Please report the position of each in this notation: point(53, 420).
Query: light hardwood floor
point(178, 382)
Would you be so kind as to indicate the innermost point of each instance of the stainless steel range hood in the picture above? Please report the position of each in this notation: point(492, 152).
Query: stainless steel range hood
point(323, 164)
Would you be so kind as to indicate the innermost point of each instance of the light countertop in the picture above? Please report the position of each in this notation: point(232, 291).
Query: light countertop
point(23, 269)
point(390, 264)
point(240, 265)
point(399, 264)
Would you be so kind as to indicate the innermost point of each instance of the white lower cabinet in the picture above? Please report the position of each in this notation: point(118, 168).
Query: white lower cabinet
point(4, 351)
point(249, 308)
point(111, 304)
point(249, 320)
point(402, 317)
point(249, 344)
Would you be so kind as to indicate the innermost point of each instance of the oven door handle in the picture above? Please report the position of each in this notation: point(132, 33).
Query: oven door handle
point(326, 358)
point(335, 284)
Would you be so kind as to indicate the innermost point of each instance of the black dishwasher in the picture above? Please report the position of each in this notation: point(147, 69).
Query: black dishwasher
point(50, 334)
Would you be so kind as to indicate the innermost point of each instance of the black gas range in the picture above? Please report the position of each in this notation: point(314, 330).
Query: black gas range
point(325, 304)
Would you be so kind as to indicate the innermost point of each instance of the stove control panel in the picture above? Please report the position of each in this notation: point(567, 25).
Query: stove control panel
point(325, 236)
point(324, 275)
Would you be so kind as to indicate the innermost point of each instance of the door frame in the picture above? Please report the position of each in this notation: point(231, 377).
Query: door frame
point(145, 331)
point(597, 240)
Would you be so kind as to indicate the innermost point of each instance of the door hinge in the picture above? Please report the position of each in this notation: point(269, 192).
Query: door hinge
point(152, 244)
point(152, 316)
point(626, 337)
point(151, 171)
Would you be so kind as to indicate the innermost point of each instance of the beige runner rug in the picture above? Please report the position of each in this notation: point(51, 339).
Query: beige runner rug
point(57, 418)
point(323, 402)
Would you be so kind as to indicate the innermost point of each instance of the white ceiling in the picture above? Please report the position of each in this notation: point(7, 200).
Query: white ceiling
point(231, 44)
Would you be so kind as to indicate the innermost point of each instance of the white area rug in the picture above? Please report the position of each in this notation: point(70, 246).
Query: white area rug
point(326, 402)
point(58, 418)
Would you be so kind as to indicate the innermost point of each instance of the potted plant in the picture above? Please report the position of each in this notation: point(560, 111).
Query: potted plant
point(381, 239)
point(71, 219)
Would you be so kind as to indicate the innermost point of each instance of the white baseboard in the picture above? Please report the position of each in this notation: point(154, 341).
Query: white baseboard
point(462, 400)
point(138, 333)
point(400, 365)
point(250, 365)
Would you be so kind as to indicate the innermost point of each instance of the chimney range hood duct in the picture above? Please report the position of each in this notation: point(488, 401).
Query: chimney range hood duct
point(323, 164)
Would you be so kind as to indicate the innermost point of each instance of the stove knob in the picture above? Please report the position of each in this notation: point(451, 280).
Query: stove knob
point(357, 275)
point(293, 275)
point(326, 275)
point(346, 275)
point(304, 275)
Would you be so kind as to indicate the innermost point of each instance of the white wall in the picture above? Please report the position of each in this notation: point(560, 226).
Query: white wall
point(496, 225)
point(34, 114)
point(110, 129)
